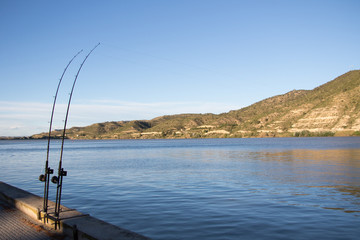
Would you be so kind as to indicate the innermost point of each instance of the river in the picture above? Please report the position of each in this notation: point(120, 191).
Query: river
point(271, 188)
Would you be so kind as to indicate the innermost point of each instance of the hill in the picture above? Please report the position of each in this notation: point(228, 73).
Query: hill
point(330, 109)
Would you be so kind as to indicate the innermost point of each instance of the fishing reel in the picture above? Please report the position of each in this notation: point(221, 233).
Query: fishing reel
point(42, 177)
point(55, 179)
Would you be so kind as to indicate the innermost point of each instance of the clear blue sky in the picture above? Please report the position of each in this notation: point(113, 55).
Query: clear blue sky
point(162, 57)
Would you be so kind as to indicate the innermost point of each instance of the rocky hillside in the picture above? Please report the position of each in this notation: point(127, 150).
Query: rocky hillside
point(328, 110)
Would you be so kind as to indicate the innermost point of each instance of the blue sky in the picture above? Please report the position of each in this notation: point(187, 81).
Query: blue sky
point(162, 57)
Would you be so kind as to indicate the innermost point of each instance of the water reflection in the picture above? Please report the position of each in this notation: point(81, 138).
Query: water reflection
point(296, 177)
point(350, 190)
point(328, 174)
point(336, 156)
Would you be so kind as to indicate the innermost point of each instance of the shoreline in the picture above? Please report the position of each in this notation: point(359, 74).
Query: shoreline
point(289, 135)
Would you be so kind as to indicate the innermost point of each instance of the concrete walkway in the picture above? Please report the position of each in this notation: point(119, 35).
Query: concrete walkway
point(16, 225)
point(21, 218)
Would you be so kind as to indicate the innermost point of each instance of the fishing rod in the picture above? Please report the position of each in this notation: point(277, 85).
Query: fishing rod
point(48, 171)
point(61, 173)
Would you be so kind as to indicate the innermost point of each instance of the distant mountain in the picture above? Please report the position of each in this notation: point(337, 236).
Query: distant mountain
point(332, 109)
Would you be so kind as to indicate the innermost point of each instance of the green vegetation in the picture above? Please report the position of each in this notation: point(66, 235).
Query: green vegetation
point(332, 109)
point(356, 133)
point(307, 133)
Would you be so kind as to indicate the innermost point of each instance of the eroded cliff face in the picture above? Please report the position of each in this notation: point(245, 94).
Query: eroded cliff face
point(332, 118)
point(333, 107)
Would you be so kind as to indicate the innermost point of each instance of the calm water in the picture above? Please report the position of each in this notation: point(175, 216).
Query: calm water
point(282, 188)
